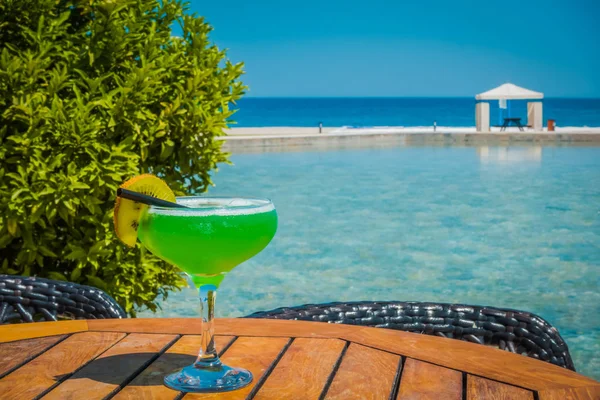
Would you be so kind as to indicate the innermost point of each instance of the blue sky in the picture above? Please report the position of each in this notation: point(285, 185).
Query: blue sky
point(409, 48)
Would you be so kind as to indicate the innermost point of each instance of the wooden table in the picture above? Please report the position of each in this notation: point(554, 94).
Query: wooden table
point(127, 359)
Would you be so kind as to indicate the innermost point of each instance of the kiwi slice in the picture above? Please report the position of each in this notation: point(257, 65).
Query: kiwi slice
point(127, 212)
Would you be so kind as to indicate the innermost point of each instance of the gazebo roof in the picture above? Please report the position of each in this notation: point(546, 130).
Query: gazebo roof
point(508, 91)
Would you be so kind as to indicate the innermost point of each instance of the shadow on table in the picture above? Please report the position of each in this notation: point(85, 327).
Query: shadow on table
point(145, 368)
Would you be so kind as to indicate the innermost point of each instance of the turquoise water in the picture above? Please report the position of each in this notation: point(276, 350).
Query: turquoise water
point(517, 227)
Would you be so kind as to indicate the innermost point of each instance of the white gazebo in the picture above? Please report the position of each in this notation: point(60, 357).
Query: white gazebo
point(505, 93)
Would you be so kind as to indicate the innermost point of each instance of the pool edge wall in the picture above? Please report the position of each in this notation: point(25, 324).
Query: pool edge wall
point(371, 140)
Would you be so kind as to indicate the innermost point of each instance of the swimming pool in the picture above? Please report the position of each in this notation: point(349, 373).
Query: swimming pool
point(508, 227)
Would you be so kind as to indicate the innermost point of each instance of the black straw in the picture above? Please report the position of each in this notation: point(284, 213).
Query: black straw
point(145, 199)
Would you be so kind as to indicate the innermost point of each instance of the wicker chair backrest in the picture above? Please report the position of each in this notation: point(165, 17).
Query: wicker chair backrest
point(30, 299)
point(511, 330)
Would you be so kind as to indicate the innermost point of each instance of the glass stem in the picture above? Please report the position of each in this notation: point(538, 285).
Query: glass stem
point(208, 357)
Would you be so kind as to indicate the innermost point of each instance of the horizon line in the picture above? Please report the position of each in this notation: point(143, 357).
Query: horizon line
point(406, 97)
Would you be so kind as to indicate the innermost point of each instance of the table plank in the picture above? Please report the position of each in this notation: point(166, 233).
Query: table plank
point(584, 393)
point(223, 326)
point(304, 368)
point(471, 358)
point(480, 388)
point(56, 364)
point(15, 354)
point(149, 383)
point(421, 380)
point(364, 373)
point(181, 326)
point(114, 367)
point(254, 354)
point(12, 332)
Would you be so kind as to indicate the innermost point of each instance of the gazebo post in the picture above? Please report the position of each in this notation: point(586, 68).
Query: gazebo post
point(535, 115)
point(482, 116)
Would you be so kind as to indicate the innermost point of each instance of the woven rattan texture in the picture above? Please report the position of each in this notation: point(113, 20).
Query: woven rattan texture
point(511, 330)
point(30, 299)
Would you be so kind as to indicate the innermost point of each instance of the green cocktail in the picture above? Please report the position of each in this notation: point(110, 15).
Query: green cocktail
point(207, 240)
point(212, 237)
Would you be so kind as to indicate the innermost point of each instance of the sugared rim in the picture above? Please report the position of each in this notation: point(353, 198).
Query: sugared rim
point(216, 205)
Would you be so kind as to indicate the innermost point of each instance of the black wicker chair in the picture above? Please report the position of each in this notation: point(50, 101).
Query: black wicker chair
point(29, 299)
point(511, 330)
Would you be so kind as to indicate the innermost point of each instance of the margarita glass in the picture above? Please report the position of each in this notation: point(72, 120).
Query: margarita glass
point(207, 240)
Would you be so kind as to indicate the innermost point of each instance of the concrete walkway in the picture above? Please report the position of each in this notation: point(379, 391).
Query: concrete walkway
point(292, 138)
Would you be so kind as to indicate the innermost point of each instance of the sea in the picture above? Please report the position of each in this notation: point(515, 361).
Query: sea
point(514, 227)
point(402, 111)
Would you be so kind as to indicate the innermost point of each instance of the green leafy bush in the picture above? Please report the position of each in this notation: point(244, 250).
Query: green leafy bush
point(93, 92)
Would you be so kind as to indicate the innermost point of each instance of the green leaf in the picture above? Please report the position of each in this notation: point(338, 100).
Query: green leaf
point(46, 251)
point(144, 153)
point(64, 213)
point(79, 185)
point(75, 274)
point(57, 275)
point(76, 254)
point(4, 240)
point(166, 149)
point(96, 248)
point(12, 226)
point(97, 282)
point(36, 212)
point(16, 194)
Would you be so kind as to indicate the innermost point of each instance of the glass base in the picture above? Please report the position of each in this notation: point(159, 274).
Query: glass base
point(208, 380)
